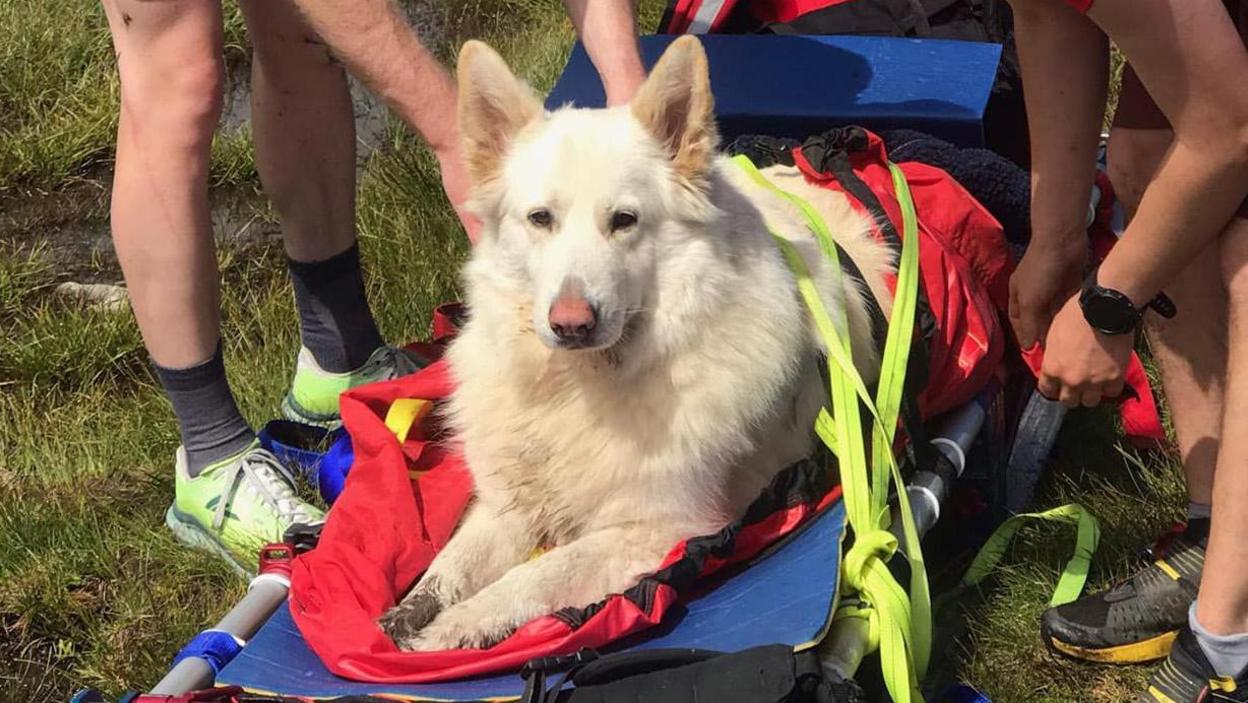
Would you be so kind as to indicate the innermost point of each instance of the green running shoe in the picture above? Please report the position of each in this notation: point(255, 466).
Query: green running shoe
point(313, 396)
point(1137, 620)
point(1187, 677)
point(235, 507)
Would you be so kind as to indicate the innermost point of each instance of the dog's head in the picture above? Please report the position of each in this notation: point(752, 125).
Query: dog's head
point(578, 204)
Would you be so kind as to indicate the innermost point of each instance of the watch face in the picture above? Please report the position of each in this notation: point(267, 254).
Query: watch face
point(1109, 314)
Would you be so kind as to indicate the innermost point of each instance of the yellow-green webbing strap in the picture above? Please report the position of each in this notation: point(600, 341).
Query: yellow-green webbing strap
point(903, 623)
point(889, 393)
point(1073, 577)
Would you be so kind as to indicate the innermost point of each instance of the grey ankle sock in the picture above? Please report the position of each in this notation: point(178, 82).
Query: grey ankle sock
point(1198, 511)
point(335, 322)
point(1228, 654)
point(212, 427)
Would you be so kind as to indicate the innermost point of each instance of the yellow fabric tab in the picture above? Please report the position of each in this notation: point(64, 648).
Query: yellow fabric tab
point(1224, 684)
point(1168, 570)
point(404, 413)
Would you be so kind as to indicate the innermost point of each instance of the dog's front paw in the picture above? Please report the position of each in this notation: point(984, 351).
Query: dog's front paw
point(405, 620)
point(461, 626)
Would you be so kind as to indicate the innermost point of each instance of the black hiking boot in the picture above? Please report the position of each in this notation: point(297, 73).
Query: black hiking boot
point(1187, 677)
point(1137, 620)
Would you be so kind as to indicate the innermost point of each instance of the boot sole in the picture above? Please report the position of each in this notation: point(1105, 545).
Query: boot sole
point(1142, 652)
point(188, 532)
point(292, 411)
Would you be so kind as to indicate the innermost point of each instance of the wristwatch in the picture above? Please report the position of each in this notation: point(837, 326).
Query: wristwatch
point(1111, 312)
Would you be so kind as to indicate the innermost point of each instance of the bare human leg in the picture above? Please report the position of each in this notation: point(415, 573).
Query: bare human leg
point(1191, 347)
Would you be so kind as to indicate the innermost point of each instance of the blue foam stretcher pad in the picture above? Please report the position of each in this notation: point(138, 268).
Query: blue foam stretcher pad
point(786, 597)
point(796, 86)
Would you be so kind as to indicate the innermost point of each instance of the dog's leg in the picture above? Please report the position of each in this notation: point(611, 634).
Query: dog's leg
point(487, 543)
point(574, 575)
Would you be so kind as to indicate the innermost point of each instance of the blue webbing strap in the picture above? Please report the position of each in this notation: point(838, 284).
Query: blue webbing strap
point(216, 647)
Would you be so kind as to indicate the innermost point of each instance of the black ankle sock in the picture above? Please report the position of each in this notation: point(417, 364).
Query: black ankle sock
point(335, 322)
point(212, 427)
point(1197, 530)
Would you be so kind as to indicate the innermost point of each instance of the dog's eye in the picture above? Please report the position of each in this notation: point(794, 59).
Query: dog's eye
point(540, 218)
point(622, 220)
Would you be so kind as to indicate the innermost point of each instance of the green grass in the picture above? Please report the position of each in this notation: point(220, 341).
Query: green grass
point(93, 589)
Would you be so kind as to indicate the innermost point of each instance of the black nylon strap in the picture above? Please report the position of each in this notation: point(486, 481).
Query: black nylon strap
point(760, 675)
point(829, 153)
point(638, 662)
point(922, 27)
point(763, 151)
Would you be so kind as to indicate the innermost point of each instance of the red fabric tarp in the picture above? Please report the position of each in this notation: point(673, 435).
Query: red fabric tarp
point(400, 506)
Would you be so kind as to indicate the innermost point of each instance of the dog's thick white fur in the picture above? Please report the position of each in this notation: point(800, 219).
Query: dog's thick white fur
point(696, 385)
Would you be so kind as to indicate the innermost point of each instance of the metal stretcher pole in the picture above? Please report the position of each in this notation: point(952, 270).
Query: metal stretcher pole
point(849, 639)
point(199, 662)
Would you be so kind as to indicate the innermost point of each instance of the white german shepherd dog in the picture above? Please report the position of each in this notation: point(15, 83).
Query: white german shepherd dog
point(638, 363)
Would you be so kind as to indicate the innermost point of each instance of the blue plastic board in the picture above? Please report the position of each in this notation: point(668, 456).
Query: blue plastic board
point(796, 86)
point(784, 598)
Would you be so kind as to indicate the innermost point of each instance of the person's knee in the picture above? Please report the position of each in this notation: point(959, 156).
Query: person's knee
point(1241, 142)
point(1234, 261)
point(181, 100)
point(199, 89)
point(1132, 160)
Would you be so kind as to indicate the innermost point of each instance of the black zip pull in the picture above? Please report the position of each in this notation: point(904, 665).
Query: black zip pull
point(535, 670)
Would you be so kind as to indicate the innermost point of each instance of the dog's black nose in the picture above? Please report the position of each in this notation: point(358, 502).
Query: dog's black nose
point(572, 319)
point(578, 333)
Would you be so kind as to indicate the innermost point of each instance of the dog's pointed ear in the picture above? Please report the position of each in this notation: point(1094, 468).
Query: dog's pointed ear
point(676, 106)
point(494, 106)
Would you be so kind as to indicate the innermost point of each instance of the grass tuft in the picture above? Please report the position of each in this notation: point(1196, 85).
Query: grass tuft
point(58, 93)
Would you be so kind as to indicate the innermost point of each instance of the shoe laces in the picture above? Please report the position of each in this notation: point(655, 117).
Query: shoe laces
point(272, 482)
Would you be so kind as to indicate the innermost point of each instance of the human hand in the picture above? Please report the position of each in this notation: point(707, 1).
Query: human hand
point(1045, 279)
point(1082, 366)
point(457, 185)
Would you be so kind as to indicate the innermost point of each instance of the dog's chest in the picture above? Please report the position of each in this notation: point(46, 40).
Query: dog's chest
point(568, 465)
point(570, 456)
point(555, 498)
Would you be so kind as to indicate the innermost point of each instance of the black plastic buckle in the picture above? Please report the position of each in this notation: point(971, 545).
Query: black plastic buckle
point(303, 538)
point(534, 674)
point(546, 665)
